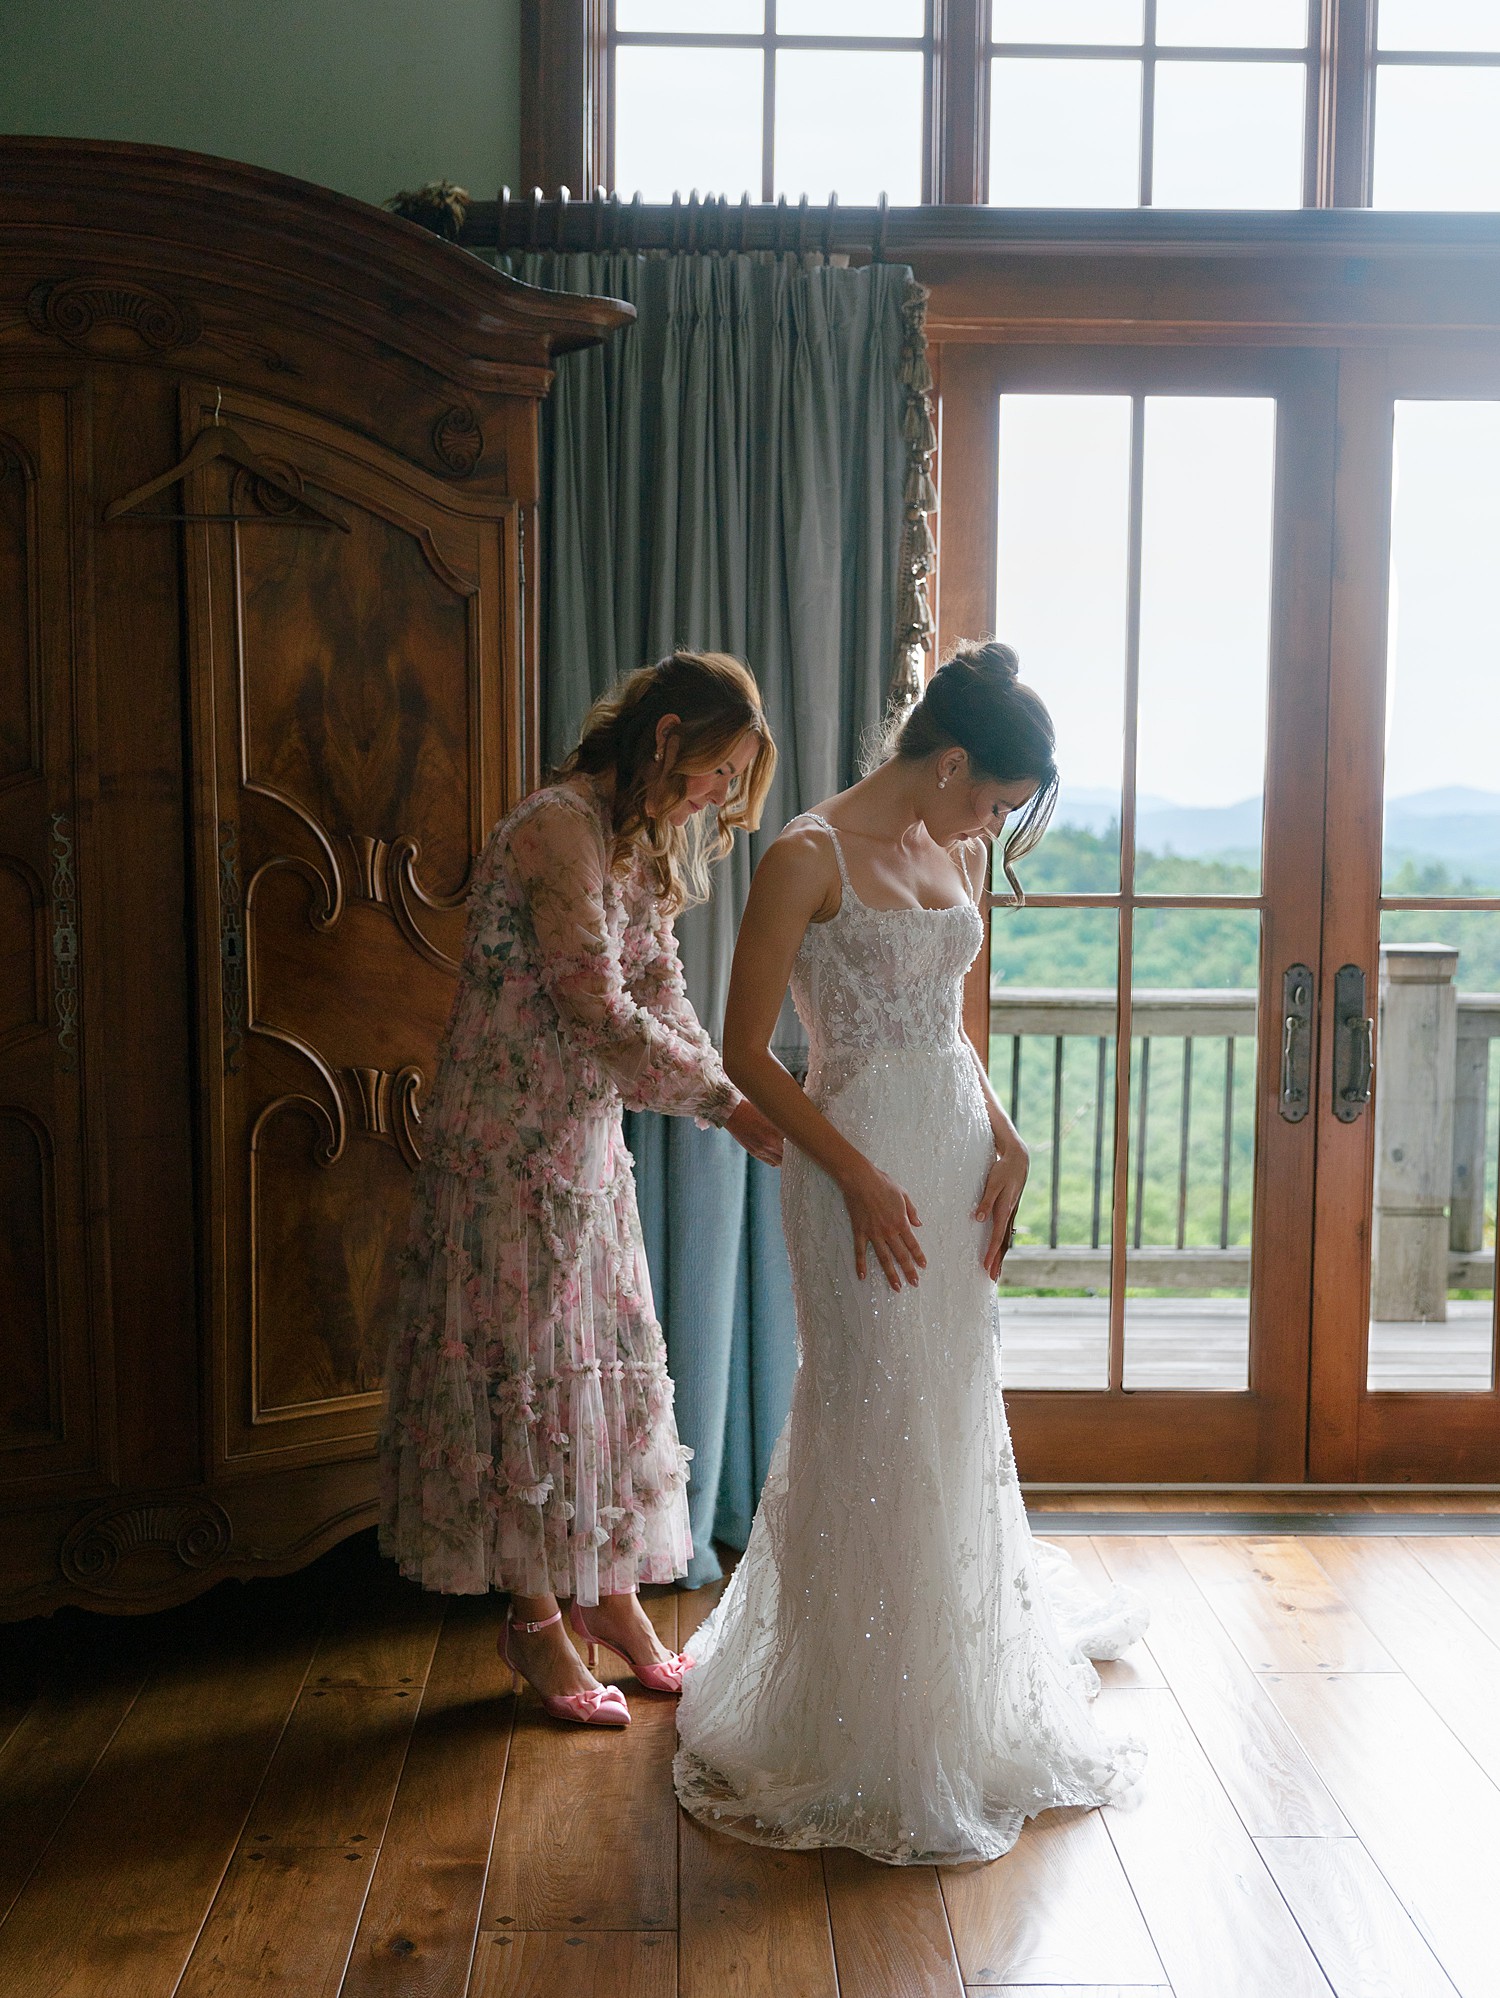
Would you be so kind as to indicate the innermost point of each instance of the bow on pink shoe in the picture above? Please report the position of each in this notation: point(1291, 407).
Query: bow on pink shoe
point(661, 1676)
point(598, 1706)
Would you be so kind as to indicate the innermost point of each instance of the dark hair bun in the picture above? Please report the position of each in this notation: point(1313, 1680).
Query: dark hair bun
point(976, 700)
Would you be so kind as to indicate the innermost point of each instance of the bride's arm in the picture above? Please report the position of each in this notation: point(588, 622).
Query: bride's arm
point(796, 883)
point(1007, 1176)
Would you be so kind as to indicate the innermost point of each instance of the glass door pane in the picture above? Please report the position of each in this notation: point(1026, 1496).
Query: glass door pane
point(1134, 579)
point(1437, 1085)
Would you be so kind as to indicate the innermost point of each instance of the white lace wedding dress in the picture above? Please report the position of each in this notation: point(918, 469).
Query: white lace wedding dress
point(896, 1665)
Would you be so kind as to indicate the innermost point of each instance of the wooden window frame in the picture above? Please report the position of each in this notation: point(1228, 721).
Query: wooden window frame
point(567, 113)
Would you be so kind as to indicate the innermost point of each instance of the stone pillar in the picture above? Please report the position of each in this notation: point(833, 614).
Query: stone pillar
point(1415, 1052)
point(1471, 1088)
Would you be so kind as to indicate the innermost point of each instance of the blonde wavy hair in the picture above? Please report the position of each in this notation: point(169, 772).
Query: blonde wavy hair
point(715, 701)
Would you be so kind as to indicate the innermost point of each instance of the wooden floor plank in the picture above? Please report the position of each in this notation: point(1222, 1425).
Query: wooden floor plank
point(890, 1930)
point(416, 1934)
point(335, 1769)
point(753, 1922)
point(1468, 1567)
point(281, 1921)
point(1437, 1644)
point(1218, 1922)
point(1056, 1909)
point(589, 1966)
point(1425, 1811)
point(1364, 1939)
point(1279, 1606)
point(1064, 1990)
point(121, 1893)
point(381, 1631)
point(1254, 1753)
point(46, 1762)
point(586, 1833)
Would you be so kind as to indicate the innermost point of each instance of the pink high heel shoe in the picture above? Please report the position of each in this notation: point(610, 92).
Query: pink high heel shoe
point(665, 1677)
point(601, 1706)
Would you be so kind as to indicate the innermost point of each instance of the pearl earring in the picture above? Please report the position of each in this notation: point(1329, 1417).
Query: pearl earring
point(942, 783)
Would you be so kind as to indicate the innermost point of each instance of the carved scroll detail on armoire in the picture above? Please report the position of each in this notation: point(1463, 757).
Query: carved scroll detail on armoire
point(255, 724)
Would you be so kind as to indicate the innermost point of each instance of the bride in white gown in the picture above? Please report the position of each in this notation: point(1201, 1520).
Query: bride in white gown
point(896, 1664)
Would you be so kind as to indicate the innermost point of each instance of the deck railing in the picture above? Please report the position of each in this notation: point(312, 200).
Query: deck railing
point(1191, 1140)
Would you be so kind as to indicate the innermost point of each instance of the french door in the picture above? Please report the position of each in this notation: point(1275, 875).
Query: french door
point(1403, 1379)
point(1192, 550)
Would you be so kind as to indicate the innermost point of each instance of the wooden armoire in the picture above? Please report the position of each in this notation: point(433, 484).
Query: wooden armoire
point(268, 480)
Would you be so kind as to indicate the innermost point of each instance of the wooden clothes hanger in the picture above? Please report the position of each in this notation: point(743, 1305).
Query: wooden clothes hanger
point(219, 440)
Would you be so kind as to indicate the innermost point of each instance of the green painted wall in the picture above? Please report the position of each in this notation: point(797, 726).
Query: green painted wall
point(367, 96)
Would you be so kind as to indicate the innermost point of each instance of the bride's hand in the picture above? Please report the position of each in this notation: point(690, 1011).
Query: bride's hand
point(755, 1132)
point(997, 1205)
point(883, 1219)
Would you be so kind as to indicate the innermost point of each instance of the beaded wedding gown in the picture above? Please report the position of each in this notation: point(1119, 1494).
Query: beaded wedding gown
point(896, 1665)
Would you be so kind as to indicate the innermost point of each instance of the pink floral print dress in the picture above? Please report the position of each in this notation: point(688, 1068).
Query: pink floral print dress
point(529, 1441)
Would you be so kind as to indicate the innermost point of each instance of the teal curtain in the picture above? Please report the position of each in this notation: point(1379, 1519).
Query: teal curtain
point(730, 473)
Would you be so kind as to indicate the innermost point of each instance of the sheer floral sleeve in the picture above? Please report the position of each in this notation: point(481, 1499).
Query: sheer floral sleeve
point(656, 981)
point(560, 862)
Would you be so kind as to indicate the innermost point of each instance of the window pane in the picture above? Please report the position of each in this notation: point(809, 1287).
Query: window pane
point(690, 17)
point(1192, 1148)
point(1062, 562)
point(1437, 1112)
point(687, 118)
point(1442, 778)
point(1065, 134)
point(1228, 135)
point(1067, 21)
point(1459, 25)
point(1209, 487)
point(850, 123)
point(851, 17)
point(1435, 138)
point(1052, 1062)
point(1232, 24)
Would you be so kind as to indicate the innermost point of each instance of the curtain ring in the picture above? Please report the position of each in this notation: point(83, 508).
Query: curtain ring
point(676, 220)
point(802, 227)
point(502, 218)
point(782, 237)
point(882, 219)
point(833, 209)
point(635, 220)
point(744, 220)
point(598, 218)
point(692, 222)
point(560, 219)
point(533, 217)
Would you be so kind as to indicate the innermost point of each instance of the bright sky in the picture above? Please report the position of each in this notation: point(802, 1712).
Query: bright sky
point(1205, 583)
point(1064, 469)
point(1443, 687)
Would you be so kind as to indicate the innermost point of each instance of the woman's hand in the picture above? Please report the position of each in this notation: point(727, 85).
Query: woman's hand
point(1003, 1187)
point(755, 1132)
point(884, 1220)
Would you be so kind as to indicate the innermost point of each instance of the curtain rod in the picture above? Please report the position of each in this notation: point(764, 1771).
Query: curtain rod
point(604, 222)
point(882, 233)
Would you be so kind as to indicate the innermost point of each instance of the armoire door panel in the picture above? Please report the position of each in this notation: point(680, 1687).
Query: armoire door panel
point(47, 1428)
point(28, 1237)
point(348, 751)
point(383, 751)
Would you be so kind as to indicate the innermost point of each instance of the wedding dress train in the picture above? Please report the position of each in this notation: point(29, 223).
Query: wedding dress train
point(897, 1665)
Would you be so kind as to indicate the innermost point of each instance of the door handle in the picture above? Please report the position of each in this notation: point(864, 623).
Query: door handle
point(1353, 1044)
point(1296, 1042)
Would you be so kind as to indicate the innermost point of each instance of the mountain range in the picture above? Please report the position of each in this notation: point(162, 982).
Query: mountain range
point(1455, 825)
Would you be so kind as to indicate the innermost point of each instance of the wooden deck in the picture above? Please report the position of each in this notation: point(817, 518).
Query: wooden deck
point(315, 1786)
point(1190, 1342)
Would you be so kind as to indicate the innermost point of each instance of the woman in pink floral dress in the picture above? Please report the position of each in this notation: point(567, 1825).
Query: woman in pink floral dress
point(529, 1442)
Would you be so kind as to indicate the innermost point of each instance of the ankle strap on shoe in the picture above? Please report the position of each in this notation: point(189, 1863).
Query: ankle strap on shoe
point(531, 1629)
